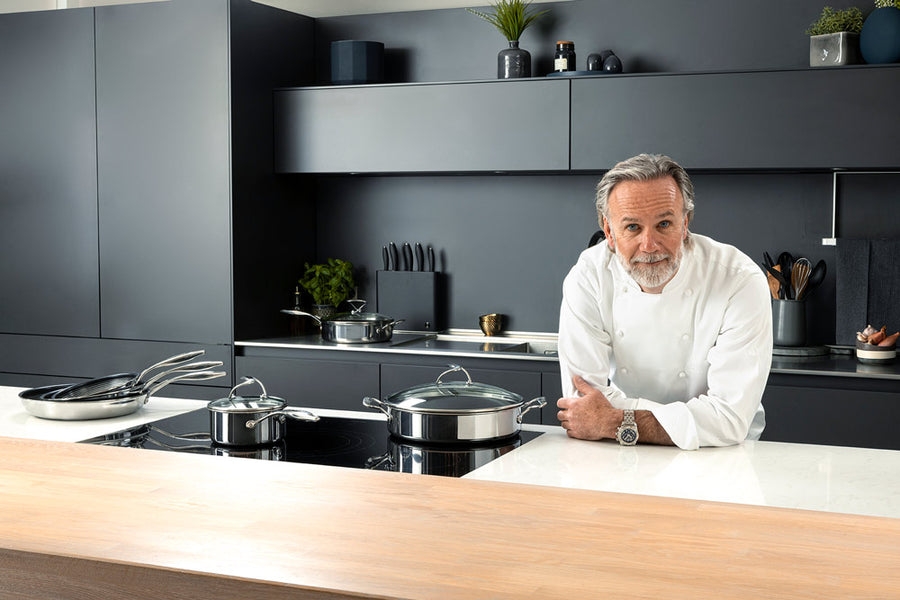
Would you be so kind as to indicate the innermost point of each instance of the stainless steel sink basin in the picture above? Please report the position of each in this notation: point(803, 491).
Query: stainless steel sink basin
point(478, 344)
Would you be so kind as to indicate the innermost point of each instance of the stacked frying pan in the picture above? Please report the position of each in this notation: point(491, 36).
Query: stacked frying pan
point(115, 395)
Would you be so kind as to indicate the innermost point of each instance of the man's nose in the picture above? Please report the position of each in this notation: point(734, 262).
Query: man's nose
point(649, 240)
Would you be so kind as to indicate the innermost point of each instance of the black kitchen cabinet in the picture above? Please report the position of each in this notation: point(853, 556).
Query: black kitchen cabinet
point(805, 119)
point(163, 167)
point(317, 383)
point(48, 198)
point(835, 411)
point(474, 126)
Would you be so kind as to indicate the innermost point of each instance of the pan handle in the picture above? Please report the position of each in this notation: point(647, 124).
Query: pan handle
point(294, 413)
point(168, 362)
point(377, 404)
point(390, 325)
point(300, 313)
point(535, 403)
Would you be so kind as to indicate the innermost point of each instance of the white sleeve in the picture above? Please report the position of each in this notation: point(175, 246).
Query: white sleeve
point(584, 342)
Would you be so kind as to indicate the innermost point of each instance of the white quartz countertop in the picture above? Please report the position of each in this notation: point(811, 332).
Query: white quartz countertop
point(15, 421)
point(803, 476)
point(800, 476)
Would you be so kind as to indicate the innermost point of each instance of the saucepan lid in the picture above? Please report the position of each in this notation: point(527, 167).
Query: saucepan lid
point(247, 404)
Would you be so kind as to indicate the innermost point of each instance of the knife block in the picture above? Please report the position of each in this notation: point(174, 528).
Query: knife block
point(414, 296)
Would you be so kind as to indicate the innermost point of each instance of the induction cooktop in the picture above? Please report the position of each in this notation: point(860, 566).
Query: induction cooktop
point(335, 441)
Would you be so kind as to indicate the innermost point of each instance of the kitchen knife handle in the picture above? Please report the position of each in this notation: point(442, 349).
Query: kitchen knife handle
point(395, 259)
point(385, 258)
point(431, 259)
point(407, 257)
point(420, 257)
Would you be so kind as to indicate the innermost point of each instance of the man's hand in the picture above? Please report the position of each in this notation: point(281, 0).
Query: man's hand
point(589, 416)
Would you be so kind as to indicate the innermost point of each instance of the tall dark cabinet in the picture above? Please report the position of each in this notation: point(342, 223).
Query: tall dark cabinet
point(139, 134)
point(48, 194)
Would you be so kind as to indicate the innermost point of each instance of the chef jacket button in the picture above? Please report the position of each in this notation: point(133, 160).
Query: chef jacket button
point(682, 375)
point(624, 371)
point(689, 292)
point(686, 337)
point(620, 333)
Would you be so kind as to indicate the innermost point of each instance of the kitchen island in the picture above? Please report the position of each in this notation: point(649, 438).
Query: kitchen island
point(84, 521)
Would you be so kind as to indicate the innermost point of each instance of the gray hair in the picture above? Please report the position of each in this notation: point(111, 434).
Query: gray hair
point(645, 167)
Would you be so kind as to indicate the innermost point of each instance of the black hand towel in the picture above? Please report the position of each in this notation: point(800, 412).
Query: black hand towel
point(867, 280)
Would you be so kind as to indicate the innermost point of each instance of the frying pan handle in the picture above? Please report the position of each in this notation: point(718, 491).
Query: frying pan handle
point(535, 403)
point(377, 404)
point(300, 313)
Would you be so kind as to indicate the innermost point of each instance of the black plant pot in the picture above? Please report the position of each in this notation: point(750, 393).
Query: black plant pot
point(513, 62)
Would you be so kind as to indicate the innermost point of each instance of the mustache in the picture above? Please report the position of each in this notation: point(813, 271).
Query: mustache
point(649, 258)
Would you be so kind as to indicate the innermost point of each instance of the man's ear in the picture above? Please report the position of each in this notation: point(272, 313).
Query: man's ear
point(684, 229)
point(610, 239)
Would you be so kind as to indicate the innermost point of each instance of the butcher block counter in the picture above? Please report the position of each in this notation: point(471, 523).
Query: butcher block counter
point(91, 522)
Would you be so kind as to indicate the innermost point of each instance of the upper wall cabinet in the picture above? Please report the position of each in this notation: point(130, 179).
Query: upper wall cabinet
point(807, 119)
point(519, 125)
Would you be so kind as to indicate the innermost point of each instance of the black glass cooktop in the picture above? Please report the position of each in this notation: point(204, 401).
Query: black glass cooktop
point(341, 442)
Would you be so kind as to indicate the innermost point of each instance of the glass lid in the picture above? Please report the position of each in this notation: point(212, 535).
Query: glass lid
point(454, 396)
point(234, 403)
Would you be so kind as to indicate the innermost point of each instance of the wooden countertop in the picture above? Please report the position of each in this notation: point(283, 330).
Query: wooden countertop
point(80, 521)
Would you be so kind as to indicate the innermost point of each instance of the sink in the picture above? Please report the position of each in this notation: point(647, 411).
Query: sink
point(540, 348)
point(477, 344)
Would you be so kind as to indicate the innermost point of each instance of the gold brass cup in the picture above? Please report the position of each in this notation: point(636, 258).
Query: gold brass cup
point(491, 324)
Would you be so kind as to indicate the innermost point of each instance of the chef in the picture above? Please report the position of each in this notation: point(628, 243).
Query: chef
point(665, 336)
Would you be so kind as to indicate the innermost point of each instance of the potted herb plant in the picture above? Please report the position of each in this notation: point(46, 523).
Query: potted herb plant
point(511, 18)
point(329, 284)
point(879, 40)
point(834, 37)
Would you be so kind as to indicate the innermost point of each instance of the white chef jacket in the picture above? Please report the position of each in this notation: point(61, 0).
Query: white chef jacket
point(697, 355)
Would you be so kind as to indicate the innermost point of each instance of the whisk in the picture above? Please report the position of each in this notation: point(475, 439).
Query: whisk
point(800, 277)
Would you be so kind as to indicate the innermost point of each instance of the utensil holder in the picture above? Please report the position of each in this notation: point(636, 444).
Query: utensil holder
point(414, 296)
point(789, 322)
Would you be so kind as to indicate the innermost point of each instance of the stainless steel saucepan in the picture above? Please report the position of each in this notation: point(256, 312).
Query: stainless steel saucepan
point(452, 412)
point(251, 420)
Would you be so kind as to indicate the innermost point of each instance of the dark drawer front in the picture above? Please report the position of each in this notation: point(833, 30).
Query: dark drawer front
point(313, 383)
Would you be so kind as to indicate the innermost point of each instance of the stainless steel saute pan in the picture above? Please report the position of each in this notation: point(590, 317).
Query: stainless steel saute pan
point(354, 327)
point(456, 411)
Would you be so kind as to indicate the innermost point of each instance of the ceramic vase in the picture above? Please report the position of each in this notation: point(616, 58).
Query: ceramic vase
point(879, 40)
point(513, 62)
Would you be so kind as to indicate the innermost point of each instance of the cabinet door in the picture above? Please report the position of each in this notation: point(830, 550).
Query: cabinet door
point(395, 378)
point(312, 383)
point(48, 195)
point(551, 388)
point(163, 149)
point(814, 118)
point(483, 126)
point(835, 417)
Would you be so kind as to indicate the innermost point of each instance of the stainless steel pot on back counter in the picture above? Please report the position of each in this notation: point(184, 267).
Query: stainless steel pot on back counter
point(354, 327)
point(453, 412)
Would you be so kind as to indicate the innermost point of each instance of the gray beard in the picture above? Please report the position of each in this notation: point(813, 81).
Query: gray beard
point(651, 276)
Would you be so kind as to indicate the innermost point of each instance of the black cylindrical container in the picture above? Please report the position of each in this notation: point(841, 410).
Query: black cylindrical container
point(564, 60)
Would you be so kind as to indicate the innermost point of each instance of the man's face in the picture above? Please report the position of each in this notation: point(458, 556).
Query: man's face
point(646, 229)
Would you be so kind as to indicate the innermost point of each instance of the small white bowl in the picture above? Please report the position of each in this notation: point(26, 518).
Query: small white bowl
point(869, 353)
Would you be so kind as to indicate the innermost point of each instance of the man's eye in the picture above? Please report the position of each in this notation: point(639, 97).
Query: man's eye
point(631, 227)
point(665, 224)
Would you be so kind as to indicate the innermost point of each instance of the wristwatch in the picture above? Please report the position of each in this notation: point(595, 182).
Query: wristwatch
point(627, 433)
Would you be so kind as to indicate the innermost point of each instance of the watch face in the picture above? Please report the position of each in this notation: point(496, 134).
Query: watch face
point(628, 435)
